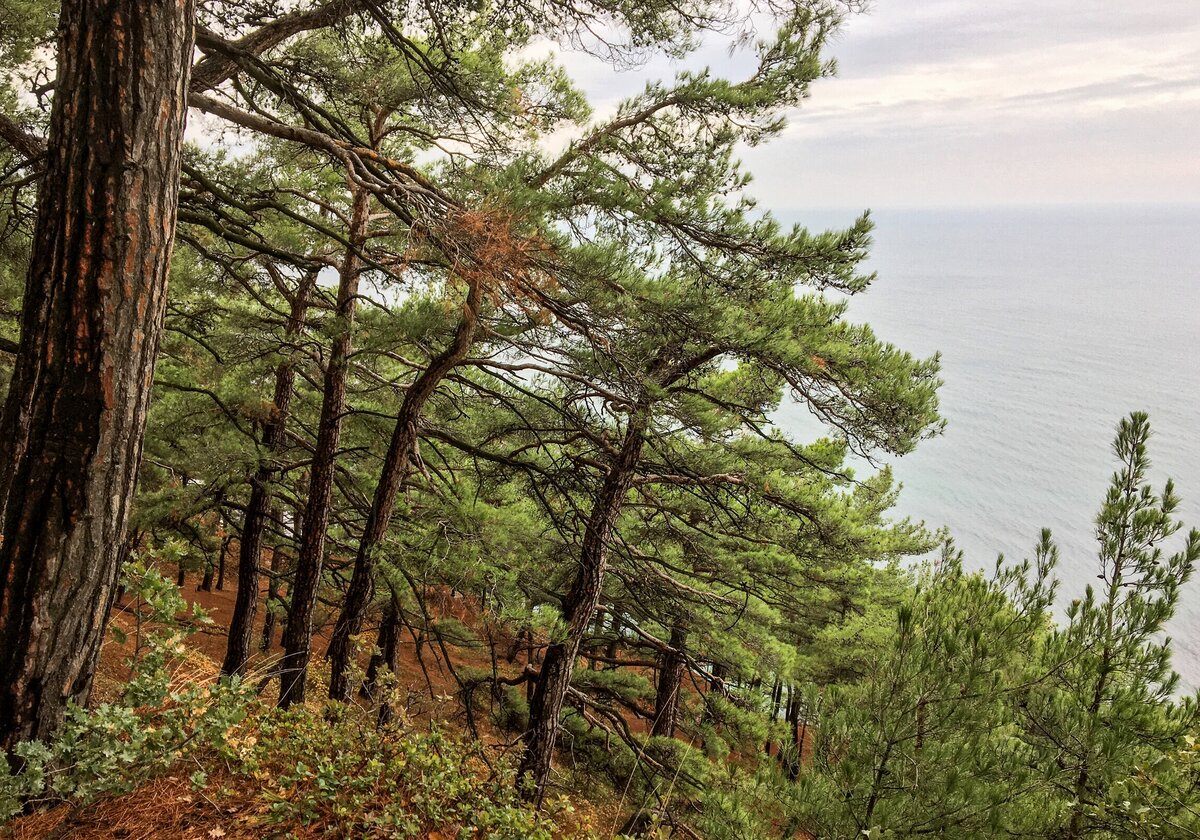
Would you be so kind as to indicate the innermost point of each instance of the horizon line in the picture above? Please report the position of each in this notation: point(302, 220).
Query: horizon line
point(1003, 205)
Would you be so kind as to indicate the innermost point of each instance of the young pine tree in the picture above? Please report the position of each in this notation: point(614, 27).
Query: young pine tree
point(1107, 702)
point(925, 743)
point(980, 718)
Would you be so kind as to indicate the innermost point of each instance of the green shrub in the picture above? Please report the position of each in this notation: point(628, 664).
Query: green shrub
point(357, 780)
point(112, 748)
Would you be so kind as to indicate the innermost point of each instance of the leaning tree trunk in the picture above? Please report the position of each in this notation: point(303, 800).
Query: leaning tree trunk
point(297, 639)
point(670, 684)
point(245, 606)
point(396, 466)
point(554, 678)
point(72, 426)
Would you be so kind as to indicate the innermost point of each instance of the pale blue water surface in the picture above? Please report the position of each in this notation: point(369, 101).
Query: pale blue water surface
point(1053, 323)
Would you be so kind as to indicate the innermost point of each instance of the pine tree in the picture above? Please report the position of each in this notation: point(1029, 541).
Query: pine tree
point(925, 741)
point(1108, 699)
point(71, 430)
point(980, 716)
point(310, 554)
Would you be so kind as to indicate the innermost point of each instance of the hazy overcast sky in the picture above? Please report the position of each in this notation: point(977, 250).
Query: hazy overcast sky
point(969, 102)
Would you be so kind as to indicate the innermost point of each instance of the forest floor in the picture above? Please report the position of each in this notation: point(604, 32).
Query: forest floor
point(170, 806)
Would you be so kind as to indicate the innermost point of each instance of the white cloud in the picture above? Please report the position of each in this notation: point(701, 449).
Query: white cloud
point(954, 102)
point(960, 102)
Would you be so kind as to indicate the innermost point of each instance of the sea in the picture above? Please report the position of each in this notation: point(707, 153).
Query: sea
point(1052, 324)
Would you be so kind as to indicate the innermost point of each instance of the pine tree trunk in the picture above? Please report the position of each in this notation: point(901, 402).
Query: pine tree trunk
point(282, 601)
point(245, 606)
point(782, 755)
point(670, 684)
point(618, 628)
point(387, 649)
point(776, 697)
point(297, 640)
point(396, 466)
point(72, 426)
point(792, 755)
point(530, 660)
point(559, 662)
point(268, 629)
point(221, 564)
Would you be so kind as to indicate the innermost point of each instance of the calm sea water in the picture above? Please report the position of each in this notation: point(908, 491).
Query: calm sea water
point(1052, 324)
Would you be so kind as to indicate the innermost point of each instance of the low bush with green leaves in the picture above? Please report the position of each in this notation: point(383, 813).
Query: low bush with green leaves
point(157, 720)
point(355, 779)
point(338, 770)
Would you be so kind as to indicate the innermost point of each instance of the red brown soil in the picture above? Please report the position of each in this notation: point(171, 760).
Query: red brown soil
point(169, 807)
point(409, 673)
point(166, 807)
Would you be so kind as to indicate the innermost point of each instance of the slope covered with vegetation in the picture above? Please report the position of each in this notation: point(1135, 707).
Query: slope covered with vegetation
point(457, 402)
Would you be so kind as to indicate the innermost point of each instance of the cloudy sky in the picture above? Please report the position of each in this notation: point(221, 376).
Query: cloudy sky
point(983, 102)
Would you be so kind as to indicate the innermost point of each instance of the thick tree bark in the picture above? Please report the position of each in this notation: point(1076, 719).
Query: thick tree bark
point(559, 662)
point(397, 464)
point(670, 684)
point(245, 607)
point(72, 426)
point(297, 639)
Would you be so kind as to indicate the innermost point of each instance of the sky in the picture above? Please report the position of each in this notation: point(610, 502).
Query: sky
point(988, 102)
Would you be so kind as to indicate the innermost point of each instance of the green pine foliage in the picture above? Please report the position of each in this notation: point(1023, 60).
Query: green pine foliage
point(980, 715)
point(1110, 701)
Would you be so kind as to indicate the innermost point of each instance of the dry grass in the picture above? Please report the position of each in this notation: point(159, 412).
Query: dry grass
point(166, 807)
